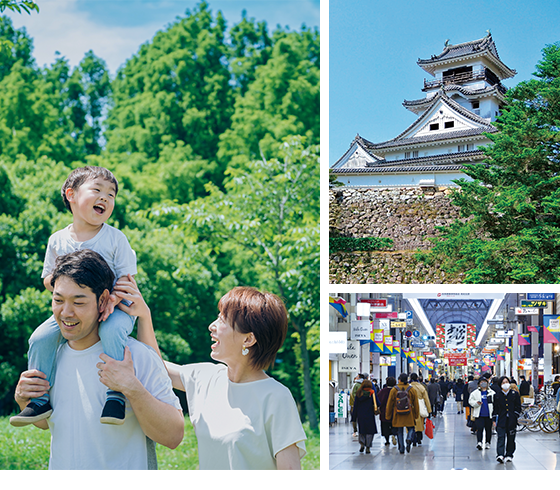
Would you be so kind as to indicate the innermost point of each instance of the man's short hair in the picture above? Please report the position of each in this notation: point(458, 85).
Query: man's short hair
point(391, 381)
point(264, 314)
point(81, 175)
point(87, 269)
point(414, 377)
point(403, 378)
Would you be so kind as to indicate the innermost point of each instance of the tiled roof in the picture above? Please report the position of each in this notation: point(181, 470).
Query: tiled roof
point(437, 163)
point(456, 88)
point(384, 170)
point(432, 138)
point(433, 159)
point(451, 52)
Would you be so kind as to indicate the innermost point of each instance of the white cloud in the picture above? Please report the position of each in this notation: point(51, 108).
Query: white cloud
point(61, 27)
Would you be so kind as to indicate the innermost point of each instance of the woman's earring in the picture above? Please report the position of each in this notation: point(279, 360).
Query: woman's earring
point(244, 351)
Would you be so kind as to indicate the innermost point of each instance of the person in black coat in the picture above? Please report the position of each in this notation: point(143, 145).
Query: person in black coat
point(507, 408)
point(365, 406)
point(386, 424)
point(444, 391)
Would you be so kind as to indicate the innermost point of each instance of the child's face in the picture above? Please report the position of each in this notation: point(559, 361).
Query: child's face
point(93, 202)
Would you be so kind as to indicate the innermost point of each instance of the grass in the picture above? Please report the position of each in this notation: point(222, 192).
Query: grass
point(27, 448)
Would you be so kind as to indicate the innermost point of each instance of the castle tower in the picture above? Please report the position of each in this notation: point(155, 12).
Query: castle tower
point(462, 99)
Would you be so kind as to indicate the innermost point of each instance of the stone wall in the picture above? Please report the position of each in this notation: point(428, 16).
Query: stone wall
point(408, 216)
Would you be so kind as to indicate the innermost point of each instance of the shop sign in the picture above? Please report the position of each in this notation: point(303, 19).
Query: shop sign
point(360, 330)
point(544, 296)
point(337, 342)
point(376, 303)
point(526, 311)
point(350, 362)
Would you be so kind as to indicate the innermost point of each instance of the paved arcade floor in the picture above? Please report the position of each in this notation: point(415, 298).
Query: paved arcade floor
point(453, 447)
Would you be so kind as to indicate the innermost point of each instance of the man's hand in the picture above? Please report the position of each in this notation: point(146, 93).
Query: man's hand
point(31, 384)
point(118, 375)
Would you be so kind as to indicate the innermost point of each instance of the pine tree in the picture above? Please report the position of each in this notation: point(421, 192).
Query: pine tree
point(510, 226)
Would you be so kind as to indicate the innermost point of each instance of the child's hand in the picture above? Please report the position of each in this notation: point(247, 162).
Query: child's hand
point(127, 289)
point(109, 307)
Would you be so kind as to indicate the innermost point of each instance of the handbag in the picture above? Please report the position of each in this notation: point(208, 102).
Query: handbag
point(423, 409)
point(429, 429)
point(375, 407)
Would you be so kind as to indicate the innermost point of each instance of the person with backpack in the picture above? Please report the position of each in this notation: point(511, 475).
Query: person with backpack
point(403, 405)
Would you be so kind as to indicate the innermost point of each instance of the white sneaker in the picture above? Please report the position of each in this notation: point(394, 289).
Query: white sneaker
point(508, 459)
point(479, 445)
point(487, 445)
point(355, 435)
point(500, 459)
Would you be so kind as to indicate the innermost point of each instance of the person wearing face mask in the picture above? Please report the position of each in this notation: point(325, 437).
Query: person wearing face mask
point(507, 408)
point(482, 400)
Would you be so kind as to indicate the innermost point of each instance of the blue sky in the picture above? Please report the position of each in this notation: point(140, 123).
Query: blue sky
point(374, 47)
point(114, 29)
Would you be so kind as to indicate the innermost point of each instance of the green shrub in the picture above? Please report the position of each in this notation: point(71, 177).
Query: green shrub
point(365, 244)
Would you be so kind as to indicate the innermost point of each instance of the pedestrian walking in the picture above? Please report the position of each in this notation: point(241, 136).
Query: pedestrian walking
point(434, 391)
point(382, 398)
point(481, 400)
point(357, 383)
point(424, 400)
point(458, 390)
point(444, 392)
point(507, 408)
point(365, 409)
point(403, 408)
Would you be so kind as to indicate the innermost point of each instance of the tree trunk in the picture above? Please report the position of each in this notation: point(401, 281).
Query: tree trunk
point(307, 384)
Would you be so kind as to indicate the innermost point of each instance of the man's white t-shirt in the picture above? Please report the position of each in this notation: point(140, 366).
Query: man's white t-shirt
point(240, 426)
point(110, 243)
point(79, 441)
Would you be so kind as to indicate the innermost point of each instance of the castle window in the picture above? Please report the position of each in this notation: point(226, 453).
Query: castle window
point(414, 154)
point(407, 154)
point(434, 127)
point(475, 104)
point(461, 148)
point(449, 124)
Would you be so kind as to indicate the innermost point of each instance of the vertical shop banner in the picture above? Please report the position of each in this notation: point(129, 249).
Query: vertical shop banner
point(471, 336)
point(440, 336)
point(388, 344)
point(350, 362)
point(341, 405)
point(551, 332)
point(524, 339)
point(377, 339)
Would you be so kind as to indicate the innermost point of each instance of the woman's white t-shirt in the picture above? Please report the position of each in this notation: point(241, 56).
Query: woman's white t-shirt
point(240, 426)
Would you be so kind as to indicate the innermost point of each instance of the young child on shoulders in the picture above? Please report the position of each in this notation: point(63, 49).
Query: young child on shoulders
point(89, 194)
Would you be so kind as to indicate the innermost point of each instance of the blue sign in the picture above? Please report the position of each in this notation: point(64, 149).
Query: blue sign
point(416, 333)
point(541, 296)
point(409, 315)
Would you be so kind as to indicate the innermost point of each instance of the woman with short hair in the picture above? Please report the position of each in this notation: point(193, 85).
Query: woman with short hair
point(243, 419)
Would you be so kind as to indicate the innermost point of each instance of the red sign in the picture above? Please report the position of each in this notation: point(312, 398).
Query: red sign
point(392, 314)
point(455, 355)
point(376, 303)
point(455, 361)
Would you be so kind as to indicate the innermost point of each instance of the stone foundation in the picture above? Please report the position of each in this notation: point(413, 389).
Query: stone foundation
point(409, 216)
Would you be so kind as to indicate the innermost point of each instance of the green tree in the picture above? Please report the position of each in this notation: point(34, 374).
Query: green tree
point(176, 89)
point(510, 226)
point(283, 100)
point(268, 217)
